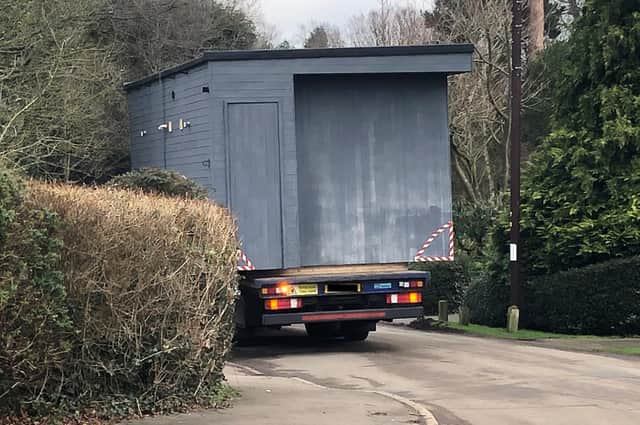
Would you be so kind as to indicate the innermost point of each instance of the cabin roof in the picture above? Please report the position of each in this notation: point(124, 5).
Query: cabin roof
point(289, 54)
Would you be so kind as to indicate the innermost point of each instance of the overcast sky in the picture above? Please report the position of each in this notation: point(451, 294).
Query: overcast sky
point(289, 15)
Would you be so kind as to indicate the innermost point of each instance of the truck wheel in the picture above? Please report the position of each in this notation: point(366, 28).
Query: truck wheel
point(357, 331)
point(356, 335)
point(322, 330)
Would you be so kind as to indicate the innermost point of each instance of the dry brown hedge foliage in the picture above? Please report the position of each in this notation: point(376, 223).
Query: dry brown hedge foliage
point(151, 283)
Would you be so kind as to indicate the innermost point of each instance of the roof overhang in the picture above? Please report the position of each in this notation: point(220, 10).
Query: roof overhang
point(291, 54)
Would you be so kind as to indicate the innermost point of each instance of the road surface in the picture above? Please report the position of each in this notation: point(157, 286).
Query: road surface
point(461, 379)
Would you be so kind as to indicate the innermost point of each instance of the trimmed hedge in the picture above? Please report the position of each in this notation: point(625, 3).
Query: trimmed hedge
point(160, 182)
point(488, 300)
point(34, 320)
point(149, 290)
point(449, 281)
point(601, 299)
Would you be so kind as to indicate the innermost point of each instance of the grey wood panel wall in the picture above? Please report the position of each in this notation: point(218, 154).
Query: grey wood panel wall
point(187, 151)
point(373, 167)
point(205, 144)
point(145, 114)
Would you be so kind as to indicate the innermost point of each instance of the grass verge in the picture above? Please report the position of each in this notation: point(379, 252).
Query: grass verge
point(628, 351)
point(522, 334)
point(480, 330)
point(629, 346)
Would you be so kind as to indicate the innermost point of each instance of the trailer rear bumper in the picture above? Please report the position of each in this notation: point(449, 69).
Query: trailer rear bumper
point(341, 316)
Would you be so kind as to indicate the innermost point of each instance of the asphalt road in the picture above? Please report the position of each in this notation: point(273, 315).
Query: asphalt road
point(461, 379)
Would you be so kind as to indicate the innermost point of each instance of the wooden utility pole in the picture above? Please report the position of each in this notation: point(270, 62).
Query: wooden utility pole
point(516, 101)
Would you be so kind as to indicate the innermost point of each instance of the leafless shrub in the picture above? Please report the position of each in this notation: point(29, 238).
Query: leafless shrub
point(390, 24)
point(151, 283)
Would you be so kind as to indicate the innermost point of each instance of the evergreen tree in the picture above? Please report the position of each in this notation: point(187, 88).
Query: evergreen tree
point(581, 191)
point(318, 38)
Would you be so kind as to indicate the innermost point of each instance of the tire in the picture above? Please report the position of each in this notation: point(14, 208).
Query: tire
point(357, 331)
point(322, 330)
point(356, 335)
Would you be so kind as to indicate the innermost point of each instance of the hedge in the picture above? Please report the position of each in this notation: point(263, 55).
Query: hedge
point(160, 182)
point(601, 299)
point(448, 282)
point(150, 284)
point(488, 300)
point(34, 321)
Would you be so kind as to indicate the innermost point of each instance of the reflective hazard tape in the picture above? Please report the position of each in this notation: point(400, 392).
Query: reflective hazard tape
point(420, 257)
point(246, 264)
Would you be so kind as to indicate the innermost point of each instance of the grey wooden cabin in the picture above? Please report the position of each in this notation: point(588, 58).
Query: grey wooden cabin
point(325, 156)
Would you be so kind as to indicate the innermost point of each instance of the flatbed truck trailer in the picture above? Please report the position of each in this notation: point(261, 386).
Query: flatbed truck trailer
point(334, 162)
point(346, 304)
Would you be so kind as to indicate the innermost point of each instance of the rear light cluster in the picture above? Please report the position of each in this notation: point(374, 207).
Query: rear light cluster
point(406, 298)
point(281, 289)
point(282, 303)
point(285, 289)
point(412, 284)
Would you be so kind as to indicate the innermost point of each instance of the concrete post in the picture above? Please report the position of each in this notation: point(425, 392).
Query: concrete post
point(443, 312)
point(513, 317)
point(465, 315)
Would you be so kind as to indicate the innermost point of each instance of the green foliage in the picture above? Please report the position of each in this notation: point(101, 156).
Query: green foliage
point(600, 299)
point(488, 295)
point(448, 282)
point(159, 181)
point(473, 221)
point(488, 300)
point(33, 304)
point(581, 191)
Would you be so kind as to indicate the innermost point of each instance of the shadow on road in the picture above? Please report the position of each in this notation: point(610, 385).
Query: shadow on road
point(293, 340)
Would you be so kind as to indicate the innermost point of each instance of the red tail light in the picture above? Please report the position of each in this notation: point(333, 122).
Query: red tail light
point(282, 289)
point(282, 303)
point(406, 298)
point(411, 284)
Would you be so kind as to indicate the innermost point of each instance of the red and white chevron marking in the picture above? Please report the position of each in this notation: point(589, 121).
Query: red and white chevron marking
point(248, 265)
point(419, 257)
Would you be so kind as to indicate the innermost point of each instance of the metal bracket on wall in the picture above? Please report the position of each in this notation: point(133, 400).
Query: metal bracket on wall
point(182, 124)
point(168, 126)
point(206, 163)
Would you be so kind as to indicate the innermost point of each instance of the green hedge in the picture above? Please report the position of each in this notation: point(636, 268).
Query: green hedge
point(159, 181)
point(488, 300)
point(448, 282)
point(601, 299)
point(34, 320)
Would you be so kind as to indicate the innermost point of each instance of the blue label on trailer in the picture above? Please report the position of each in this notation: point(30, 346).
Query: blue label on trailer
point(383, 285)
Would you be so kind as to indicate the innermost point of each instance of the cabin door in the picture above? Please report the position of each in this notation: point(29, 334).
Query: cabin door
point(254, 180)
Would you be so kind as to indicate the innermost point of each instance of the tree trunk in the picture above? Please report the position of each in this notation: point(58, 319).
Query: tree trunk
point(468, 187)
point(536, 26)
